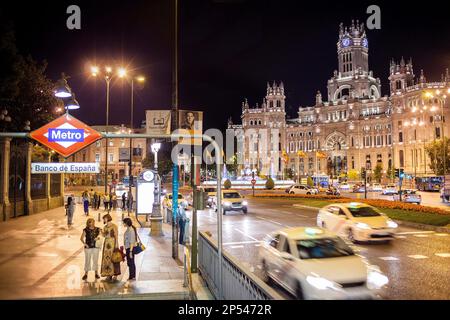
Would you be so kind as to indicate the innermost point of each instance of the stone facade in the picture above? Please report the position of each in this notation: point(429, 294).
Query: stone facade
point(356, 127)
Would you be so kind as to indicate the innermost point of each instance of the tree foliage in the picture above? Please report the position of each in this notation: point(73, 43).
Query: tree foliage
point(227, 184)
point(378, 172)
point(270, 184)
point(25, 90)
point(435, 151)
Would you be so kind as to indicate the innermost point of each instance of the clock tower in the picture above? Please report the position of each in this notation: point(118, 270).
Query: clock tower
point(353, 49)
point(353, 79)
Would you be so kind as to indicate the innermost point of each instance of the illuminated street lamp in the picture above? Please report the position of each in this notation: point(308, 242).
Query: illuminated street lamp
point(62, 89)
point(107, 76)
point(155, 148)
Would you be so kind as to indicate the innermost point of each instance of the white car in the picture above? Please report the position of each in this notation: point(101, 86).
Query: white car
point(357, 222)
point(376, 187)
point(409, 196)
point(345, 187)
point(390, 190)
point(302, 189)
point(313, 263)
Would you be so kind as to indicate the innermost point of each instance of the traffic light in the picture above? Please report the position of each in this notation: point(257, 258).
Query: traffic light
point(397, 173)
point(401, 173)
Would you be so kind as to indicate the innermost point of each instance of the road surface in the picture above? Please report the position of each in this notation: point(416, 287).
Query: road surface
point(417, 262)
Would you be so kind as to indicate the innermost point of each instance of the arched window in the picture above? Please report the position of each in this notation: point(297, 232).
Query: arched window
point(398, 85)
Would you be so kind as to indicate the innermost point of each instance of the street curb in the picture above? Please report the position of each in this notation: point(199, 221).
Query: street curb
point(423, 226)
point(400, 222)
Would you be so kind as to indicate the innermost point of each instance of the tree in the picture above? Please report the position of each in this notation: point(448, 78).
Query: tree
point(270, 184)
point(378, 172)
point(232, 166)
point(227, 184)
point(353, 175)
point(435, 151)
point(310, 181)
point(25, 90)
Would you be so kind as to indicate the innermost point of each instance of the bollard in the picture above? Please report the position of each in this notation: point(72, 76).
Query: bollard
point(185, 284)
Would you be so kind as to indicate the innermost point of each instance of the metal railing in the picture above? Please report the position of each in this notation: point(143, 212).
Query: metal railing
point(238, 283)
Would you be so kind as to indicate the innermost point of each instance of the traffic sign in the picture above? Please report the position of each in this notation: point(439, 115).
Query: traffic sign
point(253, 181)
point(66, 135)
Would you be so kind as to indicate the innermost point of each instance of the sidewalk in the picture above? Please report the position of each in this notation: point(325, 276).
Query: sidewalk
point(41, 258)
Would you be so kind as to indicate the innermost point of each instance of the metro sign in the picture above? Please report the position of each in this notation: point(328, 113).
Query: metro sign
point(66, 135)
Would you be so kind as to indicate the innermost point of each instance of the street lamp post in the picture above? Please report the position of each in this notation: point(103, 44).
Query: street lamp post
point(155, 148)
point(107, 76)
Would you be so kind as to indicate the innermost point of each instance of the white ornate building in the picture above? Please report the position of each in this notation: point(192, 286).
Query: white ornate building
point(356, 126)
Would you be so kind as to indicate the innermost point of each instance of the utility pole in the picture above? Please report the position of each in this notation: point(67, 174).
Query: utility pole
point(175, 126)
point(130, 179)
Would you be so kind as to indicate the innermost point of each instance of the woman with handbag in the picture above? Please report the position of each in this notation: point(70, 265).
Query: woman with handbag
point(91, 240)
point(109, 262)
point(129, 241)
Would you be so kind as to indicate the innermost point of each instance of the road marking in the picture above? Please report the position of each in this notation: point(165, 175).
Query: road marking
point(252, 269)
point(303, 216)
point(415, 232)
point(443, 255)
point(400, 237)
point(258, 245)
point(259, 267)
point(236, 247)
point(240, 242)
point(245, 234)
point(417, 256)
point(280, 224)
point(442, 234)
point(421, 235)
point(388, 258)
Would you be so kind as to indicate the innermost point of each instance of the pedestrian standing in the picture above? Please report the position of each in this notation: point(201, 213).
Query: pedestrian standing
point(182, 218)
point(114, 201)
point(130, 201)
point(129, 241)
point(91, 239)
point(91, 198)
point(110, 201)
point(106, 201)
point(124, 200)
point(110, 232)
point(85, 197)
point(70, 209)
point(95, 199)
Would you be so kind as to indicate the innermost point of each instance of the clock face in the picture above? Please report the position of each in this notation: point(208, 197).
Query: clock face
point(345, 42)
point(148, 176)
point(365, 43)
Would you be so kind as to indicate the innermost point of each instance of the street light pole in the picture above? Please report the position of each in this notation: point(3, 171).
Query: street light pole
point(130, 178)
point(107, 79)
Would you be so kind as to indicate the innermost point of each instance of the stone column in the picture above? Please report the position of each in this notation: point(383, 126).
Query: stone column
point(5, 147)
point(61, 192)
point(28, 202)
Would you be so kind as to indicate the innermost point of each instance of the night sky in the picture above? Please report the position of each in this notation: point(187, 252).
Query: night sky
point(229, 49)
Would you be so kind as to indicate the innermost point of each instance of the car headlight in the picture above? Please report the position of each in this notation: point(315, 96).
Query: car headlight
point(322, 283)
point(375, 278)
point(392, 224)
point(227, 203)
point(244, 203)
point(362, 225)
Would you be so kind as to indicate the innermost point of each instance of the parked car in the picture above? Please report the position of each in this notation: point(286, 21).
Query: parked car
point(357, 222)
point(231, 201)
point(344, 187)
point(390, 189)
point(409, 196)
point(357, 188)
point(313, 263)
point(302, 189)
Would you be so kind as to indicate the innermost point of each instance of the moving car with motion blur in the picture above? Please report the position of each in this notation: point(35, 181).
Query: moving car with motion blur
point(390, 189)
point(409, 196)
point(231, 201)
point(313, 263)
point(302, 189)
point(357, 222)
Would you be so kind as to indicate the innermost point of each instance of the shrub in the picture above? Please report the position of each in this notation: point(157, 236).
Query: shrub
point(310, 181)
point(270, 184)
point(227, 184)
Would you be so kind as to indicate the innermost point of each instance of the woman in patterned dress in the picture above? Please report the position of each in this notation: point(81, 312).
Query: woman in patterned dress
point(110, 232)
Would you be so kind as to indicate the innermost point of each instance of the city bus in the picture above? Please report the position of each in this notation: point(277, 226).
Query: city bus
point(432, 183)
